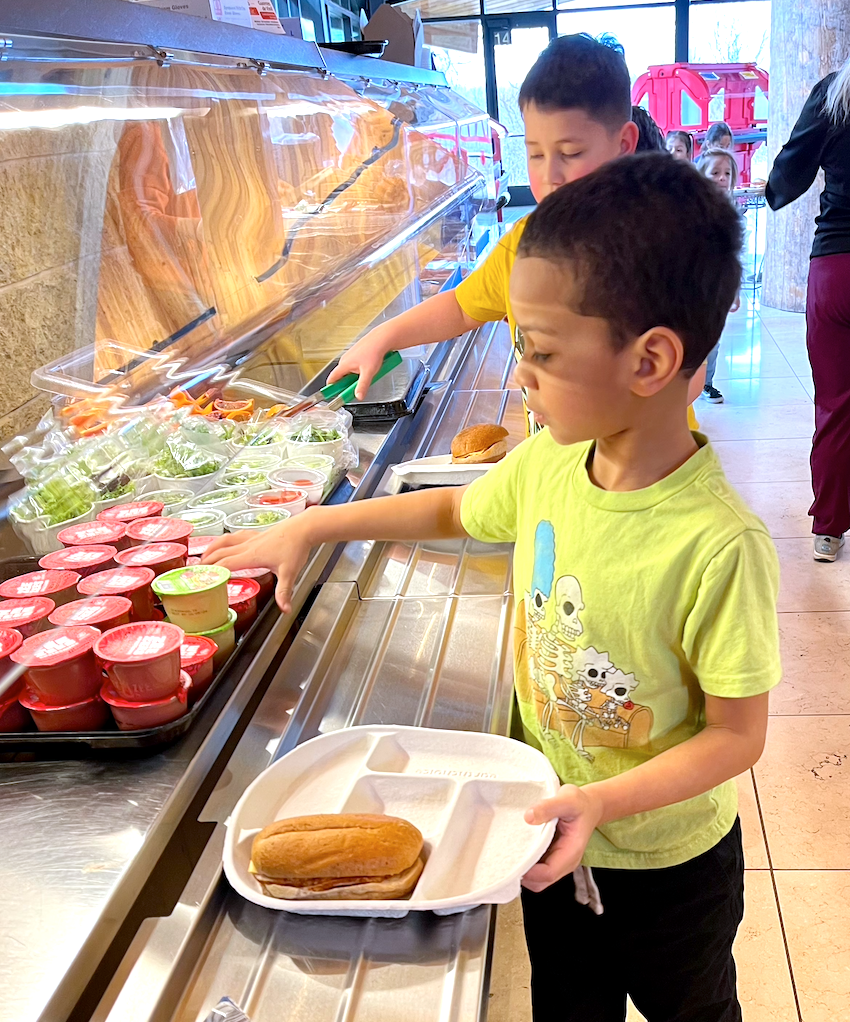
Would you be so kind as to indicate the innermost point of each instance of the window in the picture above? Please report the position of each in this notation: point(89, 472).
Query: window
point(648, 35)
point(458, 50)
point(730, 33)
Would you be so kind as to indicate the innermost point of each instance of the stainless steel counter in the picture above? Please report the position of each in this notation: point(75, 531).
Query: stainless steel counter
point(408, 634)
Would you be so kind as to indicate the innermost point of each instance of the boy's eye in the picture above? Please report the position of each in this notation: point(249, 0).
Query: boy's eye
point(540, 356)
point(535, 156)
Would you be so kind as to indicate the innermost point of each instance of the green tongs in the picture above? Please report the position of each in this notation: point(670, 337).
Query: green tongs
point(340, 393)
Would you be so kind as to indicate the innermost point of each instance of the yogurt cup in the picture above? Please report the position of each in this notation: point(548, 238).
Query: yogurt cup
point(85, 560)
point(256, 518)
point(195, 598)
point(224, 637)
point(132, 582)
point(265, 577)
point(311, 482)
point(13, 716)
point(198, 545)
point(142, 659)
point(61, 668)
point(140, 714)
point(10, 642)
point(86, 715)
point(126, 513)
point(159, 557)
point(242, 596)
point(57, 584)
point(102, 612)
point(27, 616)
point(159, 530)
point(196, 659)
point(290, 498)
point(94, 534)
point(227, 500)
point(207, 521)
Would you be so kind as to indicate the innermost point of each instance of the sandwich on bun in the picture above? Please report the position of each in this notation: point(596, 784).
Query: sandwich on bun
point(479, 445)
point(337, 857)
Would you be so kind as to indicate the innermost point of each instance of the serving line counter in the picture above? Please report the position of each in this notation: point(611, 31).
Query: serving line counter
point(398, 634)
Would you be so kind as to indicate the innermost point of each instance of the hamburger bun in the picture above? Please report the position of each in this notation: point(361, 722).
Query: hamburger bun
point(332, 857)
point(480, 445)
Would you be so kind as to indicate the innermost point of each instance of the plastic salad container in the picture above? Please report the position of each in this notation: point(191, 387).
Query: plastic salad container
point(317, 439)
point(290, 498)
point(242, 596)
point(95, 533)
point(103, 612)
point(323, 463)
point(173, 499)
point(195, 598)
point(85, 560)
point(311, 482)
point(59, 585)
point(60, 664)
point(226, 500)
point(159, 557)
point(132, 582)
point(256, 518)
point(27, 615)
point(196, 659)
point(207, 521)
point(139, 714)
point(142, 659)
point(160, 530)
point(253, 480)
point(86, 715)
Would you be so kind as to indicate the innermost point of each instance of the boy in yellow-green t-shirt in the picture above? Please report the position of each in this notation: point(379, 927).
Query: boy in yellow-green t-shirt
point(576, 108)
point(645, 633)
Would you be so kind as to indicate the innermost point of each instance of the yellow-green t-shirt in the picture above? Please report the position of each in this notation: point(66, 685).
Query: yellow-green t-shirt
point(630, 608)
point(484, 293)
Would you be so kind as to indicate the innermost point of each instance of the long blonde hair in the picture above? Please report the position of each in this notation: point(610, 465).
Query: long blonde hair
point(837, 102)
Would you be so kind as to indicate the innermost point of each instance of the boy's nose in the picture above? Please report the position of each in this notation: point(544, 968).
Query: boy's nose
point(523, 377)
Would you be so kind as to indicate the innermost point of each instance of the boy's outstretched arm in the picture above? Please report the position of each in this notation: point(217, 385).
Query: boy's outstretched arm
point(285, 548)
point(730, 743)
point(438, 319)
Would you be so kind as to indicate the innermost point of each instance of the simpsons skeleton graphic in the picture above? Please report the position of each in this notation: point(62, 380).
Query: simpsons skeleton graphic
point(582, 697)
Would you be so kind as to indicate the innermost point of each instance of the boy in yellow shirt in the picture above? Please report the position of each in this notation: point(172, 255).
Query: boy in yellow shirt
point(645, 634)
point(576, 106)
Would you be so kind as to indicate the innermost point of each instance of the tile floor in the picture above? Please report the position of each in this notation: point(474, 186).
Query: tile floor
point(793, 948)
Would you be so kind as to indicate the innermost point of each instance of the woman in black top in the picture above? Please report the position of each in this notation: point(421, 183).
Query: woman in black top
point(821, 138)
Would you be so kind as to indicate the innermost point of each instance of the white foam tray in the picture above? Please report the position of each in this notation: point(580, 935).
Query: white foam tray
point(466, 792)
point(438, 471)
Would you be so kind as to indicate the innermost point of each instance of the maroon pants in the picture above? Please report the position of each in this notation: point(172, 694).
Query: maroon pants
point(828, 341)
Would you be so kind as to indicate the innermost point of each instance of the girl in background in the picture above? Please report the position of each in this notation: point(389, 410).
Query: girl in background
point(719, 136)
point(680, 145)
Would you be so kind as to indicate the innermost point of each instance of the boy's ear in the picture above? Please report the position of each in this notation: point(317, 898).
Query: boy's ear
point(658, 360)
point(628, 138)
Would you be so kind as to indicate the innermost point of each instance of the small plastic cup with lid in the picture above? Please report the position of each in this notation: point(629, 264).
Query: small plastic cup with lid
point(27, 615)
point(142, 659)
point(256, 518)
point(126, 513)
point(57, 584)
point(141, 714)
point(264, 576)
point(252, 480)
point(290, 498)
point(85, 560)
point(61, 667)
point(95, 533)
point(195, 598)
point(173, 500)
point(103, 612)
point(228, 499)
point(242, 596)
point(224, 637)
point(198, 545)
point(206, 521)
point(159, 557)
point(13, 716)
point(196, 659)
point(159, 530)
point(323, 463)
point(132, 582)
point(311, 482)
point(86, 715)
point(10, 641)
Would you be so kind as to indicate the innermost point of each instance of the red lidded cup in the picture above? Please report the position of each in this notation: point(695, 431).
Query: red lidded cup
point(142, 659)
point(95, 534)
point(60, 586)
point(198, 545)
point(134, 583)
point(196, 659)
point(60, 664)
point(103, 612)
point(261, 575)
point(87, 715)
point(27, 616)
point(85, 560)
point(140, 714)
point(126, 513)
point(159, 557)
point(160, 530)
point(10, 641)
point(242, 596)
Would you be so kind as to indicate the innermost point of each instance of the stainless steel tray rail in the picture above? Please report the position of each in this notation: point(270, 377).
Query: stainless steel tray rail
point(409, 634)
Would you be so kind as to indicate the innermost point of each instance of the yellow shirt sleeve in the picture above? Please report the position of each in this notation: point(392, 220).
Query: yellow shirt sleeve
point(484, 293)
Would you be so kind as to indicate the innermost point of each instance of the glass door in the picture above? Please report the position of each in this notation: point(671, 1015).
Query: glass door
point(514, 43)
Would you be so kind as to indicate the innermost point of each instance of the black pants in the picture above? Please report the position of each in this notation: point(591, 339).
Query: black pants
point(665, 939)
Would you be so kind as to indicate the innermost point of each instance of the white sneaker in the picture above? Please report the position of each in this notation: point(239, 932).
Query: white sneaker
point(827, 547)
